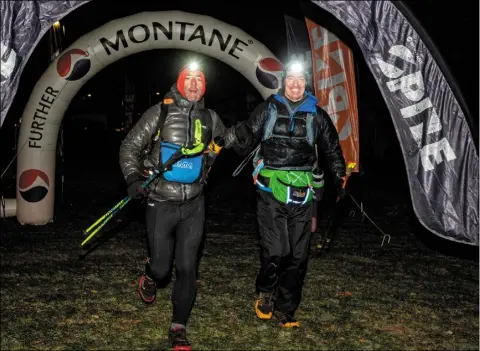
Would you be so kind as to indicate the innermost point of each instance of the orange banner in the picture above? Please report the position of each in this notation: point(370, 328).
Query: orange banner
point(334, 82)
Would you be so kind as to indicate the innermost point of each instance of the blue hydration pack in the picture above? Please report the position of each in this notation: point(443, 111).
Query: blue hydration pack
point(186, 170)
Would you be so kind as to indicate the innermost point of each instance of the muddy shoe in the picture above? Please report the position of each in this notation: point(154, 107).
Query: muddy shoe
point(178, 340)
point(264, 305)
point(147, 289)
point(286, 320)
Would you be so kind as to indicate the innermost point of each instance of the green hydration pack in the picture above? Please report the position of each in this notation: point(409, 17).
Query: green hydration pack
point(295, 187)
point(287, 186)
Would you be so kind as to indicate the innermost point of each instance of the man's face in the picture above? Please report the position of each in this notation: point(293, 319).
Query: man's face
point(295, 86)
point(193, 86)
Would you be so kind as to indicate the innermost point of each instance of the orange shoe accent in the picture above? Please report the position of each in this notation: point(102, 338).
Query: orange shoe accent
point(260, 314)
point(291, 325)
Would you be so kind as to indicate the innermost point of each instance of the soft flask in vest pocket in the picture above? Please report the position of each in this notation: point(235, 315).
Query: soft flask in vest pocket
point(186, 170)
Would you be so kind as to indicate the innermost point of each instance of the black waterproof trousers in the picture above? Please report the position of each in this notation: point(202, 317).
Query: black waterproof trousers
point(284, 242)
point(175, 232)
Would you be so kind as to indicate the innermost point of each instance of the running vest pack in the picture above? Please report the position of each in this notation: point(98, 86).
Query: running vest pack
point(287, 186)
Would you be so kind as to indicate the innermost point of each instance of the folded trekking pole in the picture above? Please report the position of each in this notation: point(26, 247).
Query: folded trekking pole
point(100, 223)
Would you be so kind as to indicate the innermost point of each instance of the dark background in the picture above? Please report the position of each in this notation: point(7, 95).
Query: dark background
point(94, 144)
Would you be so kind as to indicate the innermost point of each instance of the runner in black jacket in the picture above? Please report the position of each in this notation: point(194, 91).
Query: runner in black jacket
point(291, 130)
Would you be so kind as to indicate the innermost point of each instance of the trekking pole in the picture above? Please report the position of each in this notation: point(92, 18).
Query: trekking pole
point(100, 223)
point(327, 237)
point(106, 218)
point(330, 232)
point(109, 212)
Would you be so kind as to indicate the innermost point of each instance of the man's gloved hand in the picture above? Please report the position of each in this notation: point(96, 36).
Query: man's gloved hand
point(145, 168)
point(341, 186)
point(219, 141)
point(135, 190)
point(243, 134)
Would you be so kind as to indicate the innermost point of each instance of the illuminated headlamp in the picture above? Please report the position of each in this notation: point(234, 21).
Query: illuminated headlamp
point(193, 66)
point(296, 67)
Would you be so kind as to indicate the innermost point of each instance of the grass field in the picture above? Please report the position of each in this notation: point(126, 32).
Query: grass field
point(358, 296)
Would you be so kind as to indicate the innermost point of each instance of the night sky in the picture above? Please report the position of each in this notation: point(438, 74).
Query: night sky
point(454, 30)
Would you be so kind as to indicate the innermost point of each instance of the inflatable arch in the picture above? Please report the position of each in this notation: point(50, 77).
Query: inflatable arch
point(433, 125)
point(95, 50)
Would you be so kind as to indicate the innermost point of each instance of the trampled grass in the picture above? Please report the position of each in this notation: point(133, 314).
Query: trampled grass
point(402, 296)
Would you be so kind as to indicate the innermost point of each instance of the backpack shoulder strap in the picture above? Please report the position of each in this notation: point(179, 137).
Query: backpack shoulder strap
point(272, 117)
point(163, 117)
point(311, 130)
point(211, 114)
point(156, 135)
